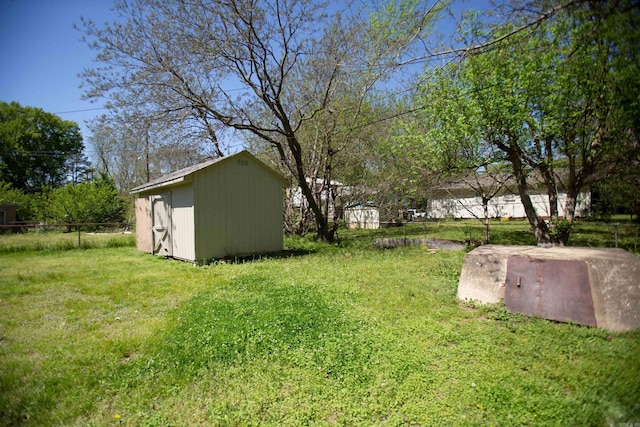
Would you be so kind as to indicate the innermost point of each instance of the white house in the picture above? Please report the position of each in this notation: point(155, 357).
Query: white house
point(458, 199)
point(230, 206)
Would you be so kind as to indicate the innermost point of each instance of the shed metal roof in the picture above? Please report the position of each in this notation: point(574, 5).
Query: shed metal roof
point(186, 174)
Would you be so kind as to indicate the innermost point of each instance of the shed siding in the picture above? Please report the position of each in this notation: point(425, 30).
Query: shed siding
point(239, 210)
point(143, 224)
point(182, 223)
point(209, 220)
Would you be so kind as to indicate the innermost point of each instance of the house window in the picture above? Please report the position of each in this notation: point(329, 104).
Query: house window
point(509, 198)
point(243, 162)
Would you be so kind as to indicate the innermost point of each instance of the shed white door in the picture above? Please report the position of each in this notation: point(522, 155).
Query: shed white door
point(161, 224)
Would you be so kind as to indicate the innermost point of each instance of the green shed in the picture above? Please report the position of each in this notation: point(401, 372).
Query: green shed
point(230, 206)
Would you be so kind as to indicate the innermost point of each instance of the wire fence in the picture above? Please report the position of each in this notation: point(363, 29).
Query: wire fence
point(21, 236)
point(23, 226)
point(618, 234)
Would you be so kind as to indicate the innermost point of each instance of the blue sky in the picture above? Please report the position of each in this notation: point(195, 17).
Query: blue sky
point(42, 55)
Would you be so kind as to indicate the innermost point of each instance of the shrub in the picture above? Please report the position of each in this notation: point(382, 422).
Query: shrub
point(91, 202)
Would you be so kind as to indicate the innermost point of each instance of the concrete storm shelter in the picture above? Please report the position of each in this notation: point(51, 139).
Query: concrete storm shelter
point(230, 206)
point(588, 286)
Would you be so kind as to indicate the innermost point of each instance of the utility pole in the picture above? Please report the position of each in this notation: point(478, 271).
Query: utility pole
point(147, 152)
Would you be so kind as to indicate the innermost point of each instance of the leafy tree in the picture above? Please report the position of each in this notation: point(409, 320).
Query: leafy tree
point(442, 141)
point(80, 169)
point(37, 149)
point(618, 193)
point(264, 68)
point(340, 148)
point(87, 204)
point(562, 94)
point(8, 194)
point(132, 152)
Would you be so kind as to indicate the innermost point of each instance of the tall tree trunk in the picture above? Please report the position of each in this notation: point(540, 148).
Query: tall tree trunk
point(485, 207)
point(573, 187)
point(540, 228)
point(546, 170)
point(322, 227)
point(288, 211)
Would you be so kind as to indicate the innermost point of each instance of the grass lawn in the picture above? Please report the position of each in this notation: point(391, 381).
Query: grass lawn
point(335, 335)
point(41, 241)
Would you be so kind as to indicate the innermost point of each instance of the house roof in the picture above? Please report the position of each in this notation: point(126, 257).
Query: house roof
point(482, 180)
point(361, 205)
point(506, 179)
point(186, 174)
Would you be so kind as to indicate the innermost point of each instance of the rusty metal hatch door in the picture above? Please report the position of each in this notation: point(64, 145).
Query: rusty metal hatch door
point(553, 289)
